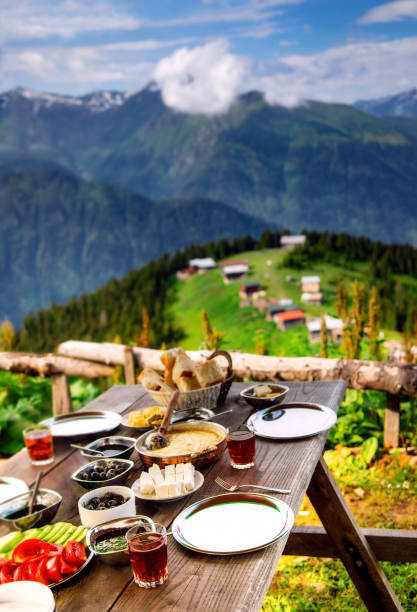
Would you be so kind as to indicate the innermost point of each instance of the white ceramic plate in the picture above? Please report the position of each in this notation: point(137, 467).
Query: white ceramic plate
point(299, 420)
point(198, 479)
point(77, 424)
point(233, 523)
point(11, 487)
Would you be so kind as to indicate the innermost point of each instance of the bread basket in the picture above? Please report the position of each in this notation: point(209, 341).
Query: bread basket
point(209, 397)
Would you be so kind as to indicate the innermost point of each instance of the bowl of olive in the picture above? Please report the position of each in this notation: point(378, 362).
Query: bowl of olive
point(105, 504)
point(103, 472)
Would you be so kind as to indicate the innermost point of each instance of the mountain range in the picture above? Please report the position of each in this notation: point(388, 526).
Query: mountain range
point(403, 104)
point(60, 236)
point(93, 186)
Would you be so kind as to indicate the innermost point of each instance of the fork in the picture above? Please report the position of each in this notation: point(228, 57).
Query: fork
point(231, 487)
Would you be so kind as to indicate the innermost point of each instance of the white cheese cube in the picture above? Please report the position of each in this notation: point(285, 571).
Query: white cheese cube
point(189, 470)
point(189, 481)
point(179, 468)
point(162, 490)
point(173, 489)
point(170, 471)
point(156, 474)
point(146, 484)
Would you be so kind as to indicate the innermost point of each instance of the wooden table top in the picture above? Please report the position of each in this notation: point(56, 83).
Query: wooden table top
point(196, 581)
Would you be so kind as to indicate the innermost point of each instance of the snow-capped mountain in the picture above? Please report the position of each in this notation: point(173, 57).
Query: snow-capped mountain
point(403, 104)
point(97, 101)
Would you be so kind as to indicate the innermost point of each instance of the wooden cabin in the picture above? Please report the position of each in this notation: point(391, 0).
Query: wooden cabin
point(334, 329)
point(251, 290)
point(312, 298)
point(234, 270)
point(310, 284)
point(291, 318)
point(290, 242)
point(203, 264)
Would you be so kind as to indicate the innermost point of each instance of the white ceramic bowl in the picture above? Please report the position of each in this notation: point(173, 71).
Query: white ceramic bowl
point(91, 518)
point(27, 592)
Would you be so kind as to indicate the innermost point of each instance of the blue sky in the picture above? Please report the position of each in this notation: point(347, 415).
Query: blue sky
point(203, 53)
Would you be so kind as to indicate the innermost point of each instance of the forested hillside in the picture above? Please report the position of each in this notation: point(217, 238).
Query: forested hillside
point(60, 237)
point(116, 309)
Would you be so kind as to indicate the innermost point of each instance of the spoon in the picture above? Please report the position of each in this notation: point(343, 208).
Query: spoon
point(273, 415)
point(88, 450)
point(157, 439)
point(205, 414)
point(35, 492)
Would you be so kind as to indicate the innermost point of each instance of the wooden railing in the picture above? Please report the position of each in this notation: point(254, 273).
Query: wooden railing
point(56, 367)
point(396, 380)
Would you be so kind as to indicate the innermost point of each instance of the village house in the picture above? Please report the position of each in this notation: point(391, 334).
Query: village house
point(202, 265)
point(251, 290)
point(183, 275)
point(310, 284)
point(290, 242)
point(334, 329)
point(312, 298)
point(290, 318)
point(234, 270)
point(278, 307)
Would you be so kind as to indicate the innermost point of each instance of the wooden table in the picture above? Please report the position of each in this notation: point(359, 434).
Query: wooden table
point(214, 583)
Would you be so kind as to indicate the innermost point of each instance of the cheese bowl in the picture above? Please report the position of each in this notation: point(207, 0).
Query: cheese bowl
point(208, 455)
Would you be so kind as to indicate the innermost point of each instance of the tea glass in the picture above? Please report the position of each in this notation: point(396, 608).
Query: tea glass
point(148, 555)
point(241, 447)
point(39, 443)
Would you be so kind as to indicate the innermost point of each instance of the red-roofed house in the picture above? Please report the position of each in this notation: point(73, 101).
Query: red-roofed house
point(288, 319)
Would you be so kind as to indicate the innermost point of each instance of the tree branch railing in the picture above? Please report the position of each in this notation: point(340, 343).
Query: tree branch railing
point(56, 367)
point(394, 379)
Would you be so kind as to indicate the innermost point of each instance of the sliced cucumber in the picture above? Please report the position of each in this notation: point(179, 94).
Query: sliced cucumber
point(65, 527)
point(55, 528)
point(44, 531)
point(79, 534)
point(65, 536)
point(10, 541)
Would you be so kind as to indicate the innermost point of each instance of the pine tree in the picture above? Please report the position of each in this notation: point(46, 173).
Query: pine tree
point(212, 337)
point(7, 335)
point(373, 325)
point(323, 337)
point(341, 300)
point(144, 337)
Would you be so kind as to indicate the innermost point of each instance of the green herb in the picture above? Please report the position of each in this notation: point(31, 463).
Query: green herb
point(111, 545)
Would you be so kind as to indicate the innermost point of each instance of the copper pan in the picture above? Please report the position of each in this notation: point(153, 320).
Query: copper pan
point(209, 455)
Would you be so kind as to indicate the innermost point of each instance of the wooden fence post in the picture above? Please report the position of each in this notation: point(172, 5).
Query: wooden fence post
point(392, 421)
point(129, 366)
point(61, 397)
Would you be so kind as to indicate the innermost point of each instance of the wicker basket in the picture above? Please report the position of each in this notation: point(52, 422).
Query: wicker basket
point(209, 397)
point(190, 400)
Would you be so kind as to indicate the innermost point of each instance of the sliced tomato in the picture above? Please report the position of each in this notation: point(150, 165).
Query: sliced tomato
point(25, 567)
point(3, 561)
point(75, 554)
point(30, 549)
point(40, 572)
point(17, 573)
point(52, 569)
point(64, 567)
point(55, 548)
point(31, 568)
point(7, 572)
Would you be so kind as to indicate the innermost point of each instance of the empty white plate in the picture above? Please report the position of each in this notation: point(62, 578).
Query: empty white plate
point(298, 420)
point(233, 523)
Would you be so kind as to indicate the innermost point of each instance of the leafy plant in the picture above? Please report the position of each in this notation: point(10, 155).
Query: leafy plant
point(368, 449)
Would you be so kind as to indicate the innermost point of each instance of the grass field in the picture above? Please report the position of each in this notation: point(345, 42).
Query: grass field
point(244, 326)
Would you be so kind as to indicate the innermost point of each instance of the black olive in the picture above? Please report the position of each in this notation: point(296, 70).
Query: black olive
point(101, 506)
point(111, 473)
point(95, 476)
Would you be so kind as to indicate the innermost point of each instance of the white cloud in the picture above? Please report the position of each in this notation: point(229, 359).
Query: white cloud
point(392, 11)
point(25, 19)
point(205, 79)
